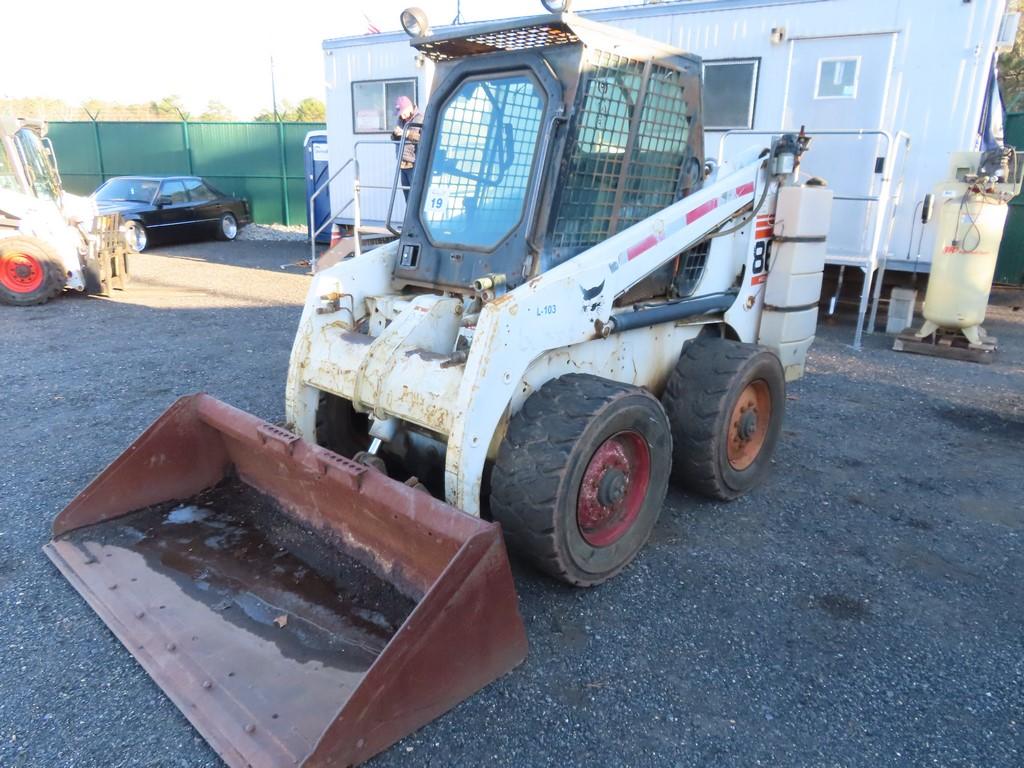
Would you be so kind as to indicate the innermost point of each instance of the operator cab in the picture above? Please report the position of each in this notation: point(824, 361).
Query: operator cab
point(543, 138)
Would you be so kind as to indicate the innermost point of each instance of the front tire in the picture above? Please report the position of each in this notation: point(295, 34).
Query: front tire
point(227, 227)
point(339, 427)
point(31, 272)
point(726, 402)
point(581, 477)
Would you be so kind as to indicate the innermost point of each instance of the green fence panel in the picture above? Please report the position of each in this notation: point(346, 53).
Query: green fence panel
point(144, 149)
point(235, 149)
point(1010, 266)
point(262, 162)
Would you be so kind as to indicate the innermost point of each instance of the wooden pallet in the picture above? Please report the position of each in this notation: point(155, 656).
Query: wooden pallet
point(948, 344)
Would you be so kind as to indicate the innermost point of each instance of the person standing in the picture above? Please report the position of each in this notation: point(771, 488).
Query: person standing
point(408, 115)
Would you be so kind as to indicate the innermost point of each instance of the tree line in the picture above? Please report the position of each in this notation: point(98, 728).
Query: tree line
point(1011, 73)
point(169, 108)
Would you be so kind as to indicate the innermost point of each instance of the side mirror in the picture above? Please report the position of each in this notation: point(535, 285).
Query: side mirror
point(163, 200)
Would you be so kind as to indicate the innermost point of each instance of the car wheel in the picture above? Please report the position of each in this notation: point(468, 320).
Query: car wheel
point(138, 238)
point(227, 228)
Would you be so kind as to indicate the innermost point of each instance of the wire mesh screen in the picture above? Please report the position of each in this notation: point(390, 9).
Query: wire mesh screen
point(611, 90)
point(659, 149)
point(516, 39)
point(691, 269)
point(480, 166)
point(625, 165)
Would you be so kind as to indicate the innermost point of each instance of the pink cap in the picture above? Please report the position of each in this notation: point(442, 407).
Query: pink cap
point(403, 103)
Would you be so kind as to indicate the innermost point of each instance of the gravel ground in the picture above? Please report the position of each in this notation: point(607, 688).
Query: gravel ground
point(294, 233)
point(864, 608)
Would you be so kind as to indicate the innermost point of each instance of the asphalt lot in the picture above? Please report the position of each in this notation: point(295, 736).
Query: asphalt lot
point(864, 608)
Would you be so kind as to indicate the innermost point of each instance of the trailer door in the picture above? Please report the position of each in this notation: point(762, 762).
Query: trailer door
point(843, 83)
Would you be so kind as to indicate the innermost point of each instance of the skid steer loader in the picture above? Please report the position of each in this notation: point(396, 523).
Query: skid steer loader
point(50, 240)
point(577, 308)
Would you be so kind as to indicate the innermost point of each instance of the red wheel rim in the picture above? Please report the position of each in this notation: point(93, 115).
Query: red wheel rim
point(748, 424)
point(613, 489)
point(20, 272)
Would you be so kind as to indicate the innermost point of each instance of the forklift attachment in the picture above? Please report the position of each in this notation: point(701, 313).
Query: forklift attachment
point(298, 607)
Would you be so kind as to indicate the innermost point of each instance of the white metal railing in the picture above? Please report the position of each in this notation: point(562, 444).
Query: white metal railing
point(884, 202)
point(357, 187)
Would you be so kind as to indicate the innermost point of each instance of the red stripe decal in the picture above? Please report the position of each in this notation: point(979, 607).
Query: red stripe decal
point(758, 279)
point(746, 189)
point(644, 245)
point(701, 210)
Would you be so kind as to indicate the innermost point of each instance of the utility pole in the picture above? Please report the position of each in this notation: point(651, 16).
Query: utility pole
point(273, 90)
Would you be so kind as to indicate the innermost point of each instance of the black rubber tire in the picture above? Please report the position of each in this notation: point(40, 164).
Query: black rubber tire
point(536, 479)
point(221, 235)
point(54, 276)
point(339, 427)
point(699, 400)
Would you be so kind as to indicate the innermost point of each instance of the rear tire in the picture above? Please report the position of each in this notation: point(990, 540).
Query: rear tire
point(725, 401)
point(31, 272)
point(581, 477)
point(227, 227)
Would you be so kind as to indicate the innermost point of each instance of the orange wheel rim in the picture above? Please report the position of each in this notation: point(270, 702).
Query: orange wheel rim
point(748, 424)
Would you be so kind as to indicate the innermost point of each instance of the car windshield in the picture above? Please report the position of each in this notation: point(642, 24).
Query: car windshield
point(127, 191)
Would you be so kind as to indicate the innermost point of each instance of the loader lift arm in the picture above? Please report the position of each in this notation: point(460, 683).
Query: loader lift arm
point(569, 305)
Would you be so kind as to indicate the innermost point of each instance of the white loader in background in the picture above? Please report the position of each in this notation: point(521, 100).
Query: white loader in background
point(576, 309)
point(50, 240)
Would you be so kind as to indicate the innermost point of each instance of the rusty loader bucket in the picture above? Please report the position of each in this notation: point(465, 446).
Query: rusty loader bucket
point(298, 607)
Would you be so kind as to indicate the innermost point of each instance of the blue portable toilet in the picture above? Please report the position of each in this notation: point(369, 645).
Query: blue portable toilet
point(315, 158)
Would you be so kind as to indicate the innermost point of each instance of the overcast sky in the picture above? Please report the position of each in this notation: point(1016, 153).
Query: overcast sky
point(202, 50)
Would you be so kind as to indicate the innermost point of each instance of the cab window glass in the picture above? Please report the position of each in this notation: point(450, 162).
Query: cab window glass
point(41, 175)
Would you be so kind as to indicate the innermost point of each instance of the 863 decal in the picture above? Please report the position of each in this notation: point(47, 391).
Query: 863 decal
point(764, 228)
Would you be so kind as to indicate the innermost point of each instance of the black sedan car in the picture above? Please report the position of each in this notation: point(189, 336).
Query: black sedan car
point(172, 207)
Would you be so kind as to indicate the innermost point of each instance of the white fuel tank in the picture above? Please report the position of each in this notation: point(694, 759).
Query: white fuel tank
point(790, 316)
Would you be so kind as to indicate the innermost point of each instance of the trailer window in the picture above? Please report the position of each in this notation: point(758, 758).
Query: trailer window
point(481, 161)
point(730, 93)
point(373, 104)
point(837, 78)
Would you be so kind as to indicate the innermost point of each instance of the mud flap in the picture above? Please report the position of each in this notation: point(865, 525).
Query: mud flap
point(297, 607)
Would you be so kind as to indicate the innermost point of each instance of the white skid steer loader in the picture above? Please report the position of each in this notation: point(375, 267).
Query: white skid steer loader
point(50, 240)
point(565, 262)
point(576, 309)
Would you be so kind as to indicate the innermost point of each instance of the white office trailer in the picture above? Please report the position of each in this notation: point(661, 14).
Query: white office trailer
point(889, 89)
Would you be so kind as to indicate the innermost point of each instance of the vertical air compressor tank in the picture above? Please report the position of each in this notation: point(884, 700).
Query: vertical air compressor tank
point(970, 227)
point(971, 210)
